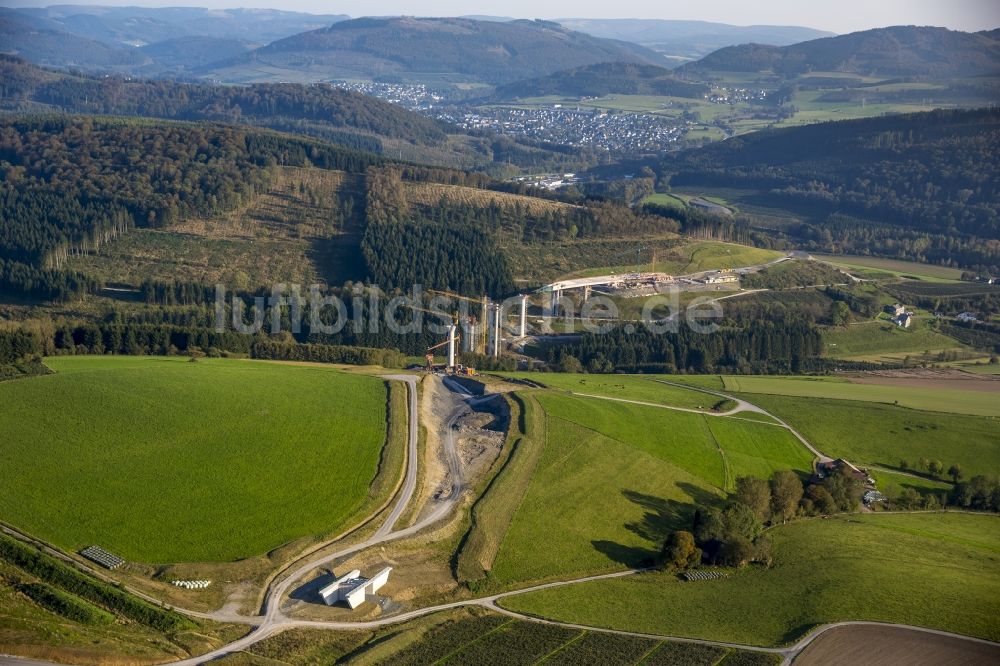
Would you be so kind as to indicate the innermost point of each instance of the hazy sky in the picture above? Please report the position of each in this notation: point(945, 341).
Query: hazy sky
point(840, 16)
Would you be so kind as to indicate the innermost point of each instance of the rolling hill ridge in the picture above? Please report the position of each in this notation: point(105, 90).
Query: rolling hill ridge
point(894, 51)
point(448, 48)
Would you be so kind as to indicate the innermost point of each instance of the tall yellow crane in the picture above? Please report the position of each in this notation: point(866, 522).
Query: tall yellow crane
point(429, 354)
point(451, 341)
point(483, 302)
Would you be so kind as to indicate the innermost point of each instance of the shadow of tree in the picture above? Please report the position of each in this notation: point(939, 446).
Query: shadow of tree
point(630, 556)
point(660, 517)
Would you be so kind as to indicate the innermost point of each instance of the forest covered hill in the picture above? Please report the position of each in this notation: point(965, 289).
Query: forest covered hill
point(322, 111)
point(895, 51)
point(922, 186)
point(444, 48)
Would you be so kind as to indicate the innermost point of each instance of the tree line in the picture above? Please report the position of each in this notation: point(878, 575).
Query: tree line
point(756, 347)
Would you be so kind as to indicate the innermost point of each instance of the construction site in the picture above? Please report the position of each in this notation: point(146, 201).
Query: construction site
point(487, 328)
point(481, 334)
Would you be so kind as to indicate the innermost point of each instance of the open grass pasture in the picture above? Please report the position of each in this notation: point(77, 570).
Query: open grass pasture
point(894, 267)
point(885, 435)
point(757, 449)
point(538, 263)
point(666, 200)
point(881, 340)
point(612, 479)
point(626, 387)
point(922, 396)
point(893, 484)
point(161, 460)
point(743, 446)
point(682, 259)
point(935, 570)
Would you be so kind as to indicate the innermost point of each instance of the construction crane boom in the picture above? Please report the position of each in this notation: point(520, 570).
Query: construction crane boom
point(448, 294)
point(438, 345)
point(437, 313)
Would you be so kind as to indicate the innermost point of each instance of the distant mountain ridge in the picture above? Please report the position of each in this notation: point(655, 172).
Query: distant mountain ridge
point(691, 39)
point(894, 51)
point(143, 41)
point(138, 26)
point(41, 41)
point(608, 78)
point(451, 48)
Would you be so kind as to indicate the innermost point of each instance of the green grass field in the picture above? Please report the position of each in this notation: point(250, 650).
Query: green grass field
point(880, 340)
point(871, 433)
point(665, 200)
point(929, 398)
point(708, 255)
point(628, 387)
point(162, 460)
point(693, 257)
point(757, 449)
point(613, 478)
point(892, 484)
point(932, 570)
point(895, 267)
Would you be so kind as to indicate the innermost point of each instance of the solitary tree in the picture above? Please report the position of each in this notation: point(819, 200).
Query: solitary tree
point(904, 464)
point(924, 463)
point(679, 551)
point(935, 467)
point(955, 472)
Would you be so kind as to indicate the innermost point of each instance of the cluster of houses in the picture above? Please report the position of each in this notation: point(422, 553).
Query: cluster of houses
point(899, 315)
point(595, 128)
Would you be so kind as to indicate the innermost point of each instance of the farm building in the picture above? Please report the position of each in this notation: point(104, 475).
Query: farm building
point(904, 320)
point(967, 317)
point(872, 497)
point(895, 310)
point(828, 467)
point(353, 589)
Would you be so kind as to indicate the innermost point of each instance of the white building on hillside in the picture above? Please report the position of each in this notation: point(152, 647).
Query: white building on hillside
point(353, 589)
